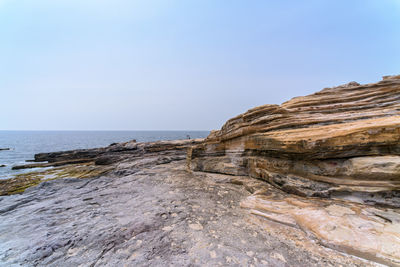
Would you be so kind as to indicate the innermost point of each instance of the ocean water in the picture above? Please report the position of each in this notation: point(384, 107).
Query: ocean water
point(25, 144)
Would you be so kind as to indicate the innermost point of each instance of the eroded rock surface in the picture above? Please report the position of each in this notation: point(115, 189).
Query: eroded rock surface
point(312, 182)
point(149, 212)
point(114, 152)
point(342, 142)
point(84, 163)
point(364, 231)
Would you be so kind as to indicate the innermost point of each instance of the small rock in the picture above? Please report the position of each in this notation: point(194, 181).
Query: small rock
point(278, 256)
point(196, 226)
point(213, 254)
point(250, 253)
point(168, 228)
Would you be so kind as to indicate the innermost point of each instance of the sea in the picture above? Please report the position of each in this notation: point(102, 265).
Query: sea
point(25, 144)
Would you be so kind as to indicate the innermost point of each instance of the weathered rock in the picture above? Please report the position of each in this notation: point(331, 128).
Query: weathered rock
point(23, 181)
point(106, 160)
point(117, 151)
point(165, 152)
point(155, 214)
point(140, 205)
point(368, 232)
point(147, 209)
point(51, 164)
point(342, 142)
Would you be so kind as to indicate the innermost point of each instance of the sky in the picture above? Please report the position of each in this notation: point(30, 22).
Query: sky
point(181, 65)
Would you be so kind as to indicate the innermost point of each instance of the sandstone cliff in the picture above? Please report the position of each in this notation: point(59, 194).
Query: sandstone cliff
point(341, 142)
point(337, 152)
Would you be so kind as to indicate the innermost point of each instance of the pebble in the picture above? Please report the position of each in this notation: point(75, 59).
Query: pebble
point(196, 226)
point(167, 228)
point(250, 253)
point(213, 254)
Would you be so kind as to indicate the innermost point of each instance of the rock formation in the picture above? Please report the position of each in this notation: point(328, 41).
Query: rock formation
point(146, 212)
point(312, 182)
point(115, 152)
point(84, 163)
point(337, 150)
point(342, 142)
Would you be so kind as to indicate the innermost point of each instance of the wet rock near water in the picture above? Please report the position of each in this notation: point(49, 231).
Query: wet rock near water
point(21, 182)
point(51, 164)
point(113, 153)
point(85, 163)
point(116, 152)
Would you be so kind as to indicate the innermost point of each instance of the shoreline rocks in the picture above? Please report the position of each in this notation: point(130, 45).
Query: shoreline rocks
point(21, 182)
point(52, 164)
point(117, 151)
point(314, 181)
point(151, 211)
point(341, 142)
point(85, 163)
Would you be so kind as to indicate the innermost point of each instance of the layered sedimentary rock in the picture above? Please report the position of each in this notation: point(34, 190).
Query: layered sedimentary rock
point(145, 212)
point(341, 142)
point(362, 230)
point(113, 153)
point(139, 205)
point(88, 163)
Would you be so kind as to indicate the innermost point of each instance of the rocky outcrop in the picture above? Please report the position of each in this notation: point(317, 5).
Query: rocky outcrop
point(276, 186)
point(51, 164)
point(89, 163)
point(342, 142)
point(361, 230)
point(113, 153)
point(23, 181)
point(150, 211)
point(334, 151)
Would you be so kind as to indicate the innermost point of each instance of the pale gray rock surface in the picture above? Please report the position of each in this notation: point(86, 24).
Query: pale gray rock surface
point(154, 214)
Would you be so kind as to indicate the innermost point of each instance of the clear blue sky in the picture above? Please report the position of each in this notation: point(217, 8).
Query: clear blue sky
point(181, 65)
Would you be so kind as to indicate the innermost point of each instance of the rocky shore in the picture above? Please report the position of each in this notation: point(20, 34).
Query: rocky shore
point(341, 142)
point(312, 182)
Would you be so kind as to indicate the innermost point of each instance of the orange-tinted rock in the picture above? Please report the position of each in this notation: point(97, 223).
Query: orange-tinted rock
point(341, 142)
point(364, 231)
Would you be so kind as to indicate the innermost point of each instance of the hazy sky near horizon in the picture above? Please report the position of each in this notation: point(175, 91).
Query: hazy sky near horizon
point(181, 65)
